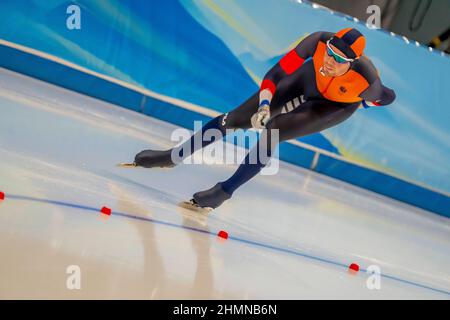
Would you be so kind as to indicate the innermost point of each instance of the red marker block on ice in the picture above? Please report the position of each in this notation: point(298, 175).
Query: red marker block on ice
point(353, 267)
point(223, 234)
point(106, 211)
point(2, 196)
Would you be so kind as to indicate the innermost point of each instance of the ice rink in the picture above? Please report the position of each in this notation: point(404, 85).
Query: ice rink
point(291, 236)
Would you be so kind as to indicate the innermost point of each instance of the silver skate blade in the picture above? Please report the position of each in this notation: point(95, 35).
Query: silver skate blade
point(190, 205)
point(127, 165)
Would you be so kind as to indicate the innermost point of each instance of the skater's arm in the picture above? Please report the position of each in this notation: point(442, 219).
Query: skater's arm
point(377, 95)
point(291, 62)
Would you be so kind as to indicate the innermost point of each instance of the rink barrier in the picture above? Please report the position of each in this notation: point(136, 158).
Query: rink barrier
point(68, 75)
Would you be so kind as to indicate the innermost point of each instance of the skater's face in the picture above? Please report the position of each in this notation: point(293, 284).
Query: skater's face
point(334, 62)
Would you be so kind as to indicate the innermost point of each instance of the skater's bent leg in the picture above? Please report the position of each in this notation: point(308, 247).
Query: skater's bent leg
point(222, 191)
point(255, 160)
point(312, 117)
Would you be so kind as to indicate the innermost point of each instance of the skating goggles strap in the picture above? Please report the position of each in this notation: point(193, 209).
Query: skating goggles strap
point(338, 58)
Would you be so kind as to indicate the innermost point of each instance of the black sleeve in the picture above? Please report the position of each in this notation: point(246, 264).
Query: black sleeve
point(308, 46)
point(305, 49)
point(378, 94)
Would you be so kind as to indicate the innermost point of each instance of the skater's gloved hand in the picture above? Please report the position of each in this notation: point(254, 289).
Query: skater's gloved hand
point(260, 118)
point(367, 104)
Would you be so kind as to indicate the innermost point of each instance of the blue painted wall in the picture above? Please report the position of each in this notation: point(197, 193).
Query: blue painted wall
point(214, 53)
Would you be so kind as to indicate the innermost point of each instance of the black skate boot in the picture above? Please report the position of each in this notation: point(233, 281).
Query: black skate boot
point(154, 158)
point(211, 198)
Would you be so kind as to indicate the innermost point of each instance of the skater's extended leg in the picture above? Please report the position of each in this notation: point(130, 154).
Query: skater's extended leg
point(237, 118)
point(155, 158)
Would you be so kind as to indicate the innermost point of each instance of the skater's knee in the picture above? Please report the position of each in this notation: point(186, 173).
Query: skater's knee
point(272, 124)
point(273, 127)
point(271, 137)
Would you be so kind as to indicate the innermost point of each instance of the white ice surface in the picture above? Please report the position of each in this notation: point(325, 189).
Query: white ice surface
point(292, 235)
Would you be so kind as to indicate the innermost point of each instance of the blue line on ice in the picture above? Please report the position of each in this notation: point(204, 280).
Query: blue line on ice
point(262, 245)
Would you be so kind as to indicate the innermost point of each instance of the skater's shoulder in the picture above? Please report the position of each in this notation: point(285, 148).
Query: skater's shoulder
point(322, 36)
point(365, 67)
point(318, 36)
point(325, 35)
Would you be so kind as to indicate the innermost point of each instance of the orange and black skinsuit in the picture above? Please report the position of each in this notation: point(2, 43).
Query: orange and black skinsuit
point(298, 72)
point(302, 101)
